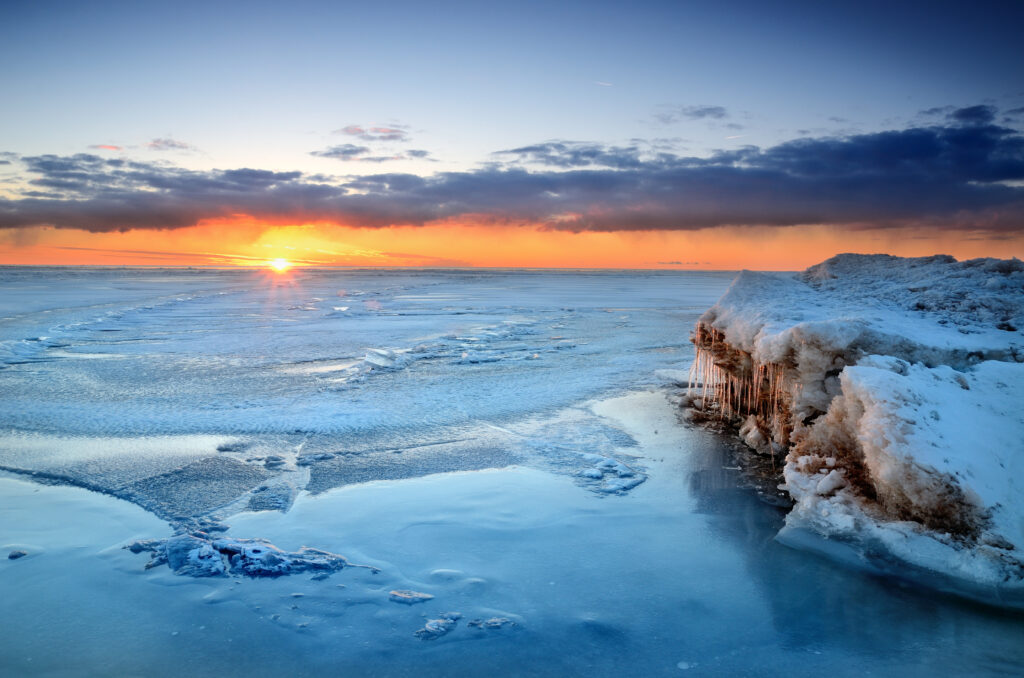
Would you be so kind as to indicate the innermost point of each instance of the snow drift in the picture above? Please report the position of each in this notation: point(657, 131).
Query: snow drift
point(894, 388)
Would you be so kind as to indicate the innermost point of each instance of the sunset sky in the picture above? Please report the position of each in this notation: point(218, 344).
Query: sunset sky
point(681, 134)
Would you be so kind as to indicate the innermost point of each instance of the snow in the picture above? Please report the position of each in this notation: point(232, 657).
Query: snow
point(907, 374)
point(933, 310)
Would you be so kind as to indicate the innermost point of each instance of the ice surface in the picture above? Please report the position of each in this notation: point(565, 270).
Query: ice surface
point(683, 569)
point(517, 460)
point(903, 399)
point(193, 392)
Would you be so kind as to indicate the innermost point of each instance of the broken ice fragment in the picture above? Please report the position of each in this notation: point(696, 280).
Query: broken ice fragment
point(199, 555)
point(407, 597)
point(492, 623)
point(435, 628)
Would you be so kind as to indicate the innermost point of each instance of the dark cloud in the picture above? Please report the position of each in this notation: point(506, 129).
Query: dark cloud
point(676, 113)
point(567, 154)
point(379, 134)
point(970, 115)
point(351, 152)
point(965, 174)
point(974, 115)
point(342, 152)
point(382, 158)
point(166, 144)
point(391, 133)
point(1014, 112)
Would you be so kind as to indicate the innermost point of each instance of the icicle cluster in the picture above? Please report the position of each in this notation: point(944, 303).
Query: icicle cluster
point(738, 386)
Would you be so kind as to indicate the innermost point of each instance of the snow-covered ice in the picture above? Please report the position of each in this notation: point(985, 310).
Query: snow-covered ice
point(503, 448)
point(897, 386)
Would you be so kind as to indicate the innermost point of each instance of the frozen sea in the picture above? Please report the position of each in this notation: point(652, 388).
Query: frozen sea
point(504, 441)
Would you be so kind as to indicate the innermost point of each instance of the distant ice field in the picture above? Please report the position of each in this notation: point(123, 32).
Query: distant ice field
point(140, 383)
point(169, 352)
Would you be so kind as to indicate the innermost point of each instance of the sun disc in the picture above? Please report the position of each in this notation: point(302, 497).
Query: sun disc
point(279, 265)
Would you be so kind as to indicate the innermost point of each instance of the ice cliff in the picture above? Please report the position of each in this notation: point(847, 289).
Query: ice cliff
point(894, 390)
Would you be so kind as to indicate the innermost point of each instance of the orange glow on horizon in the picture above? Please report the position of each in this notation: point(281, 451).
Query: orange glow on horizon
point(279, 265)
point(244, 242)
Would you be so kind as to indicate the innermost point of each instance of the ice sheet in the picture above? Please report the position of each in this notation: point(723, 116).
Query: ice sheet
point(260, 382)
point(683, 570)
point(497, 440)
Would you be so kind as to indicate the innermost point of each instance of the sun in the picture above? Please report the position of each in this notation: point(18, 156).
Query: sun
point(279, 265)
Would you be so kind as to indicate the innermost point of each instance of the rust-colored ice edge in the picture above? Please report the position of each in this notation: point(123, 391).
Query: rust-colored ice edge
point(730, 382)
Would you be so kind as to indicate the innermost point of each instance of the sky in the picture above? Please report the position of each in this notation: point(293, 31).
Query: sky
point(685, 134)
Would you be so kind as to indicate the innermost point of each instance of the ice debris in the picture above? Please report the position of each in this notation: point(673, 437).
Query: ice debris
point(435, 628)
point(617, 477)
point(407, 597)
point(200, 555)
point(386, 359)
point(310, 459)
point(237, 446)
point(490, 624)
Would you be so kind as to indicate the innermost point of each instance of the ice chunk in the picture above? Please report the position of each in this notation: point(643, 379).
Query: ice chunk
point(833, 481)
point(407, 597)
point(491, 624)
point(435, 628)
point(199, 555)
point(383, 358)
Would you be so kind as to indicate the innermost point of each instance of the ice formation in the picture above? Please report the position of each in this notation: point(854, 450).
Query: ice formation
point(490, 624)
point(435, 628)
point(200, 555)
point(407, 597)
point(895, 390)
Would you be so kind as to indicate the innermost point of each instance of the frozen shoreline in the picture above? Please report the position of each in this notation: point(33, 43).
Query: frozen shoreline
point(894, 388)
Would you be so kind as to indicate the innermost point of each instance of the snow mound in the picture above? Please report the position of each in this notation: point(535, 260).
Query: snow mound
point(895, 388)
point(200, 555)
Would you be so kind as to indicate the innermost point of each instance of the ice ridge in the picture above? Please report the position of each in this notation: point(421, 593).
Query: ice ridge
point(893, 391)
